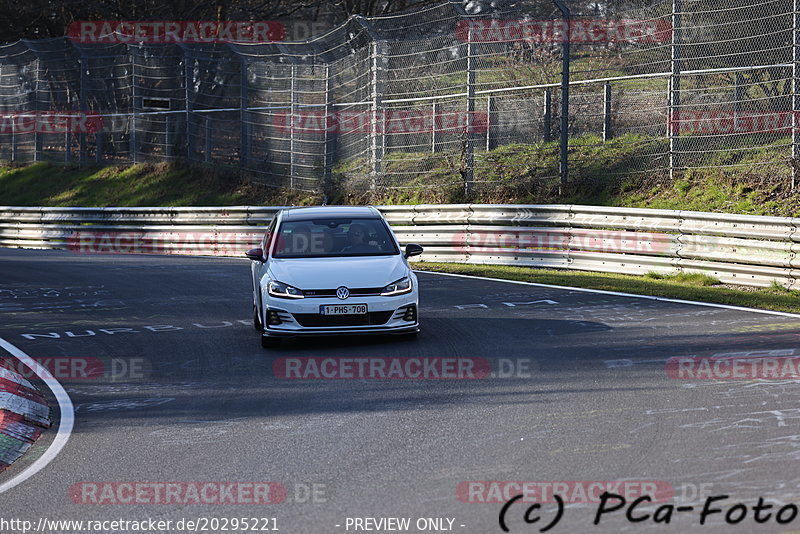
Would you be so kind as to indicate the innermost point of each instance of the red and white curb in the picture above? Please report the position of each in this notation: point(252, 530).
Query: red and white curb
point(23, 415)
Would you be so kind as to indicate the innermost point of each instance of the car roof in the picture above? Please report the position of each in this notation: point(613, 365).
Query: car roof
point(297, 214)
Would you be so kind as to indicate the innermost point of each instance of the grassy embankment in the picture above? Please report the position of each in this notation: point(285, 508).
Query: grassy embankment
point(515, 172)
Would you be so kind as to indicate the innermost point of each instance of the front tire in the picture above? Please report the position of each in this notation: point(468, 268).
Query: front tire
point(257, 319)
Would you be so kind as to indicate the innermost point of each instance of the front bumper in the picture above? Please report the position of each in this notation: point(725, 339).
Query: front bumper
point(341, 331)
point(301, 317)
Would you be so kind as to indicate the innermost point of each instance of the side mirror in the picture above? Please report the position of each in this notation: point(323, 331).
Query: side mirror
point(255, 254)
point(412, 249)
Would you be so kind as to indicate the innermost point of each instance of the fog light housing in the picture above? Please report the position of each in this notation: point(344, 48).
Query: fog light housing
point(273, 319)
point(411, 314)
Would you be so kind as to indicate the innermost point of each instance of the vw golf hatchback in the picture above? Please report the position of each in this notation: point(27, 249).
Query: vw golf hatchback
point(332, 270)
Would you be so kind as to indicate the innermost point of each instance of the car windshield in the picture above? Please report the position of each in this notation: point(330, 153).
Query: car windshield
point(334, 237)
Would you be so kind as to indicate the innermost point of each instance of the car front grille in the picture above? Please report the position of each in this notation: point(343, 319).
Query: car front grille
point(354, 292)
point(367, 319)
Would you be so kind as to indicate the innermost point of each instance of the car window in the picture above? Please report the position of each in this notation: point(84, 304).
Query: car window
point(331, 237)
point(266, 241)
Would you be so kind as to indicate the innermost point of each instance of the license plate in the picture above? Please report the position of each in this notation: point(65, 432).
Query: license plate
point(343, 309)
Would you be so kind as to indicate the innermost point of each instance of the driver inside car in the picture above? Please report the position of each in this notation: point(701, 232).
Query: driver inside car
point(357, 237)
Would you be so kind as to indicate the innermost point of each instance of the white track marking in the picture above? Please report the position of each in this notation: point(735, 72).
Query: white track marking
point(618, 294)
point(64, 426)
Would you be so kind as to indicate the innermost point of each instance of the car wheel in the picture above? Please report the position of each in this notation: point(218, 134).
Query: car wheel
point(270, 342)
point(257, 319)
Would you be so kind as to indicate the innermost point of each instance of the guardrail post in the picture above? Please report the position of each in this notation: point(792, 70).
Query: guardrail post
point(547, 116)
point(607, 133)
point(673, 119)
point(491, 122)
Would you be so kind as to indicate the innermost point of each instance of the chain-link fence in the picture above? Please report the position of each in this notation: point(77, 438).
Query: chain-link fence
point(454, 94)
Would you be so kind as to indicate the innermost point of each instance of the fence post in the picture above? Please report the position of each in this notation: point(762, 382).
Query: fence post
point(738, 93)
point(293, 108)
point(437, 111)
point(607, 133)
point(377, 86)
point(377, 53)
point(547, 116)
point(673, 120)
point(135, 106)
point(795, 91)
point(738, 97)
point(292, 119)
point(491, 122)
point(331, 123)
point(169, 137)
point(13, 141)
point(83, 107)
point(37, 136)
point(563, 168)
point(244, 133)
point(209, 146)
point(99, 141)
point(190, 130)
point(469, 152)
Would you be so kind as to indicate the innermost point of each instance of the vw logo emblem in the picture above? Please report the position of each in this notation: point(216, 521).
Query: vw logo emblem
point(342, 292)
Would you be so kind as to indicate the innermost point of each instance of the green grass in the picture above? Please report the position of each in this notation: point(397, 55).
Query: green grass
point(692, 279)
point(512, 173)
point(162, 184)
point(604, 173)
point(697, 287)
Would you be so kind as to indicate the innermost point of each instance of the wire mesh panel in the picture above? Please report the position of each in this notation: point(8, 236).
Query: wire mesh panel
point(446, 95)
point(158, 91)
point(18, 83)
point(740, 120)
point(106, 88)
point(212, 83)
point(639, 118)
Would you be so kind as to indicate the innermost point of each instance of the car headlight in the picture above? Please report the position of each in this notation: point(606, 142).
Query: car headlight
point(283, 291)
point(397, 288)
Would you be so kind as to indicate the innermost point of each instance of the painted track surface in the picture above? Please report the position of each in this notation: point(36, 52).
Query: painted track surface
point(596, 403)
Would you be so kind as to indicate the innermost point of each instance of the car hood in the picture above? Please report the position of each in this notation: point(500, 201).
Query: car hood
point(330, 273)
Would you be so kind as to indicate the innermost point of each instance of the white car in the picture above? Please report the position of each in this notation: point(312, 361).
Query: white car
point(332, 270)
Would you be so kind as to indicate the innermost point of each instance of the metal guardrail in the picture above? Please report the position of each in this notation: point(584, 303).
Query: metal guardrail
point(738, 249)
